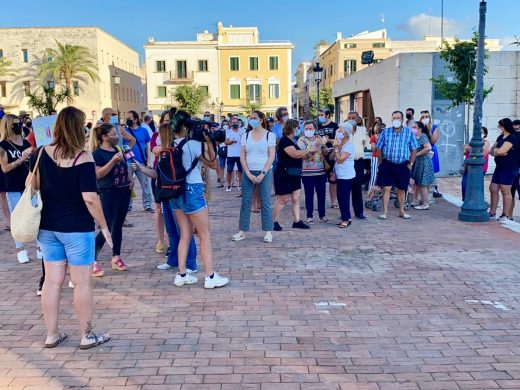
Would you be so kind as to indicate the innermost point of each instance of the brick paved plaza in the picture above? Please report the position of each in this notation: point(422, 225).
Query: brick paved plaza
point(430, 303)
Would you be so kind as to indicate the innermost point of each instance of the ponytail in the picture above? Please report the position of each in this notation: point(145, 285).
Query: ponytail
point(97, 133)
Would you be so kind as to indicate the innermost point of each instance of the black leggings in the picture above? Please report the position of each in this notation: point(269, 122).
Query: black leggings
point(115, 203)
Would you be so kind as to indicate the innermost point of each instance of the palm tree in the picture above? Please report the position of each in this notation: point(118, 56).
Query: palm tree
point(5, 68)
point(66, 63)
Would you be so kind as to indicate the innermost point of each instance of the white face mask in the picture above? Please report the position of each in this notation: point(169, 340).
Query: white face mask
point(309, 133)
point(396, 123)
point(426, 121)
point(225, 127)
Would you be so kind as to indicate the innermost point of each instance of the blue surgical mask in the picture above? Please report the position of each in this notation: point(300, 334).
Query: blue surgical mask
point(114, 120)
point(254, 123)
point(322, 119)
point(340, 135)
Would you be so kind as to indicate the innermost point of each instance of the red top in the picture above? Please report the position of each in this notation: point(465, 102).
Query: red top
point(30, 138)
point(155, 141)
point(373, 140)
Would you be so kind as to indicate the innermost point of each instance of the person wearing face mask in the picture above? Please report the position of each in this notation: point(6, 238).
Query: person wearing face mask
point(426, 119)
point(233, 137)
point(27, 125)
point(343, 154)
point(257, 156)
point(410, 120)
point(207, 116)
point(360, 140)
point(222, 156)
point(505, 151)
point(314, 178)
point(109, 115)
point(115, 186)
point(396, 151)
point(422, 170)
point(281, 115)
point(327, 130)
point(141, 153)
point(14, 154)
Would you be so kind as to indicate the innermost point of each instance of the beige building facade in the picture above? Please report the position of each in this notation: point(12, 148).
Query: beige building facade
point(232, 64)
point(26, 47)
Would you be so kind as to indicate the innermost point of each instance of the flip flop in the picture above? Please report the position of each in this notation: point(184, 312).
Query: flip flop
point(62, 336)
point(97, 339)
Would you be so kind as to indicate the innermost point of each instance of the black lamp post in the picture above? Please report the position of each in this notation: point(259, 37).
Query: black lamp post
point(317, 77)
point(474, 208)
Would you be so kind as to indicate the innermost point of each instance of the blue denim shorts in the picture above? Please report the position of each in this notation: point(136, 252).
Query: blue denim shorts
point(193, 201)
point(222, 161)
point(77, 248)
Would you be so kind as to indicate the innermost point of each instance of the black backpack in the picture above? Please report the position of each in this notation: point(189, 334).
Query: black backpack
point(171, 175)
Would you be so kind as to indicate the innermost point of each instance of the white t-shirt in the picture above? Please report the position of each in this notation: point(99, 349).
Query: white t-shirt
point(257, 153)
point(233, 150)
point(345, 170)
point(190, 151)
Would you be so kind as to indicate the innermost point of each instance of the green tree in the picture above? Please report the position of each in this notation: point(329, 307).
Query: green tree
point(190, 98)
point(321, 42)
point(326, 100)
point(46, 99)
point(251, 106)
point(461, 60)
point(68, 63)
point(5, 68)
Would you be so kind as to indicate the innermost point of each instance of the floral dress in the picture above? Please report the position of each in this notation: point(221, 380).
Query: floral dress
point(422, 171)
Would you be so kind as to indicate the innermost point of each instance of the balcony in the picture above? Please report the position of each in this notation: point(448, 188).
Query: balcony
point(173, 78)
point(255, 100)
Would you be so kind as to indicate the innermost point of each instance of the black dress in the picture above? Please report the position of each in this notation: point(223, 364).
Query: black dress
point(285, 184)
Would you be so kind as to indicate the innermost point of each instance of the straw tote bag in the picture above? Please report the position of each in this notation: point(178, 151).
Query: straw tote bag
point(25, 219)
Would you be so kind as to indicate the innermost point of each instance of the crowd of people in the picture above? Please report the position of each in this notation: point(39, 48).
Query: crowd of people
point(87, 179)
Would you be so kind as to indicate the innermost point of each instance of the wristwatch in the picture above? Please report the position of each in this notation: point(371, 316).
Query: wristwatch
point(263, 172)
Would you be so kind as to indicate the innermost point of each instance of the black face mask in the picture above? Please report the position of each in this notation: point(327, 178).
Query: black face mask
point(17, 128)
point(235, 126)
point(28, 124)
point(408, 116)
point(129, 122)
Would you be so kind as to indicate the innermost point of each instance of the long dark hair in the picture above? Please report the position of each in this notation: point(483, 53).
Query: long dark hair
point(263, 118)
point(178, 119)
point(424, 129)
point(507, 125)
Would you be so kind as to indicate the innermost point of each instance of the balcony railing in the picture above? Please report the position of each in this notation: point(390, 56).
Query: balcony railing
point(172, 77)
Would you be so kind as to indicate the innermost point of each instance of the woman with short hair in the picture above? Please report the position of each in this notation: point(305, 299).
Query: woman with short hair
point(66, 176)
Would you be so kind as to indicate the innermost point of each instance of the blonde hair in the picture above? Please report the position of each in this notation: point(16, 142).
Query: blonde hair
point(429, 125)
point(166, 135)
point(6, 126)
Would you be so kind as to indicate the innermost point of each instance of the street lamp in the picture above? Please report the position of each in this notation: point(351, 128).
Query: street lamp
point(221, 109)
point(474, 208)
point(117, 83)
point(317, 77)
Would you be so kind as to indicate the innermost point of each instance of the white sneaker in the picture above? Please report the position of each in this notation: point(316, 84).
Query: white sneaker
point(228, 189)
point(164, 266)
point(38, 293)
point(71, 285)
point(191, 271)
point(268, 237)
point(39, 254)
point(23, 257)
point(216, 281)
point(310, 221)
point(187, 279)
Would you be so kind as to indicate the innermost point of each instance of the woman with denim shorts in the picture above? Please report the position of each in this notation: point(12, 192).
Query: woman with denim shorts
point(66, 177)
point(191, 209)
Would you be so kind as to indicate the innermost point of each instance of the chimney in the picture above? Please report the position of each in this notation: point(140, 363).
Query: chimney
point(151, 40)
point(339, 35)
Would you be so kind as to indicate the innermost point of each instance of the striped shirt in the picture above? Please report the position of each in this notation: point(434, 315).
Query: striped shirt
point(397, 145)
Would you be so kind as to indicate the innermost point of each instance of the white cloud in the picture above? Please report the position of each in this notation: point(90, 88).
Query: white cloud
point(418, 26)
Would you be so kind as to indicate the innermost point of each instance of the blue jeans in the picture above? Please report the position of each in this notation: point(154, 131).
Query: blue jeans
point(464, 182)
point(344, 189)
point(248, 188)
point(12, 200)
point(319, 184)
point(173, 235)
point(144, 181)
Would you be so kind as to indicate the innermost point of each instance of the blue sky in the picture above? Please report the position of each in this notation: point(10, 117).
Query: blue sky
point(301, 21)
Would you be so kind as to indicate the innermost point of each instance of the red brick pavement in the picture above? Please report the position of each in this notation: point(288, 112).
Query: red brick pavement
point(380, 305)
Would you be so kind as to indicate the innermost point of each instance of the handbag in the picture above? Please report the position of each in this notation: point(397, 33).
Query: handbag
point(26, 216)
point(291, 171)
point(222, 151)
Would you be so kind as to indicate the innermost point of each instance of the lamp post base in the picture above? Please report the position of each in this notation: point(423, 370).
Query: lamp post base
point(475, 207)
point(474, 215)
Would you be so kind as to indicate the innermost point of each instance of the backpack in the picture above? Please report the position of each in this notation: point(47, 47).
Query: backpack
point(171, 175)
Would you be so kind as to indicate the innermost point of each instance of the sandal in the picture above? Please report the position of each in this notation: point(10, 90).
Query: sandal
point(334, 206)
point(62, 336)
point(344, 225)
point(119, 265)
point(97, 271)
point(238, 237)
point(97, 339)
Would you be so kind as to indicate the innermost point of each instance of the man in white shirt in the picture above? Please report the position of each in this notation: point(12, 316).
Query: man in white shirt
point(233, 137)
point(146, 124)
point(360, 140)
